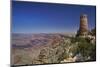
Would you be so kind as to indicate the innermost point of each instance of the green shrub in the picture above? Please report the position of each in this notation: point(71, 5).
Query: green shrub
point(84, 47)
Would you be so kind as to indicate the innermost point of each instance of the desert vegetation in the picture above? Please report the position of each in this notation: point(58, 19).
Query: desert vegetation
point(57, 48)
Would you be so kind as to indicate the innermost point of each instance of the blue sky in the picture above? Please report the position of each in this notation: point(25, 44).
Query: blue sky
point(33, 17)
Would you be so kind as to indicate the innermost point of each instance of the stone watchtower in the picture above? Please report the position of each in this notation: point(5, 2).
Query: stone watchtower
point(83, 29)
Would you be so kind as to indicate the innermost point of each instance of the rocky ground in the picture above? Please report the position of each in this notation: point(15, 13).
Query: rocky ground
point(45, 49)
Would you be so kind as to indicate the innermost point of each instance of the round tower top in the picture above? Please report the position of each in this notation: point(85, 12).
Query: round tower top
point(83, 16)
